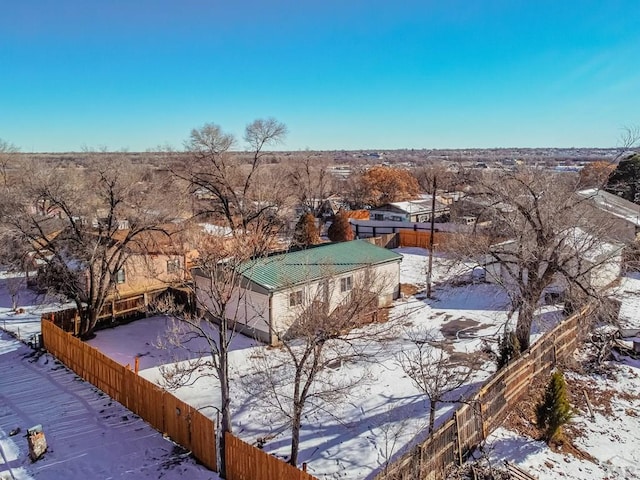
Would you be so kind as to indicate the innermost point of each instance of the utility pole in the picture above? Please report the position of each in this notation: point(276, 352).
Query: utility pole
point(432, 230)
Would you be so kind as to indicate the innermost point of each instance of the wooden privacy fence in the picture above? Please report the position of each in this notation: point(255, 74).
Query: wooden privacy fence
point(453, 442)
point(250, 463)
point(184, 424)
point(411, 238)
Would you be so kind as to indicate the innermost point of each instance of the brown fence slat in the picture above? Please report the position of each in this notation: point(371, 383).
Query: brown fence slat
point(251, 463)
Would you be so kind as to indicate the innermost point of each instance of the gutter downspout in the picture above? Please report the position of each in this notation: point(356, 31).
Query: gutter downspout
point(271, 330)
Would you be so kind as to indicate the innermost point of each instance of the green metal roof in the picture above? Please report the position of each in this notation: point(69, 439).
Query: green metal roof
point(293, 268)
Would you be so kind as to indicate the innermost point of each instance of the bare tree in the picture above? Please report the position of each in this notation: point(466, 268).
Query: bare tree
point(230, 184)
point(6, 154)
point(297, 377)
point(629, 141)
point(390, 438)
point(425, 174)
point(630, 137)
point(231, 180)
point(540, 233)
point(432, 370)
point(311, 182)
point(82, 224)
point(217, 312)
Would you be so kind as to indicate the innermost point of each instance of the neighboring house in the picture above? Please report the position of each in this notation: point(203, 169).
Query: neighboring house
point(154, 262)
point(322, 208)
point(625, 215)
point(411, 211)
point(597, 262)
point(275, 290)
point(449, 198)
point(329, 207)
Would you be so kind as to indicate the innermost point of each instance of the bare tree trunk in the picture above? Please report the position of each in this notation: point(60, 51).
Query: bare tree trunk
point(296, 423)
point(432, 415)
point(523, 328)
point(225, 400)
point(88, 322)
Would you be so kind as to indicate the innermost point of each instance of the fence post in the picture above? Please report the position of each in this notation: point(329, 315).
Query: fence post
point(480, 413)
point(455, 416)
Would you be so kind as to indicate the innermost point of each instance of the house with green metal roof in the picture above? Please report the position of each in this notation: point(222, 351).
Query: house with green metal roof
point(277, 289)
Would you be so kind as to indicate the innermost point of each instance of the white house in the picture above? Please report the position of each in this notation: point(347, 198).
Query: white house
point(624, 216)
point(584, 256)
point(274, 290)
point(411, 211)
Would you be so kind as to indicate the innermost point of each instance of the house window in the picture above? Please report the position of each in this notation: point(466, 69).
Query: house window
point(396, 218)
point(346, 284)
point(120, 277)
point(378, 216)
point(295, 298)
point(173, 266)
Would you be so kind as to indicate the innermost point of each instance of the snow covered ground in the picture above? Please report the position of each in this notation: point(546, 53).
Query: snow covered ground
point(385, 414)
point(89, 436)
point(352, 438)
point(25, 320)
point(607, 447)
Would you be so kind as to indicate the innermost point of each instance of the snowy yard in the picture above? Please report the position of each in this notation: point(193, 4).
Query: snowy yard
point(25, 321)
point(606, 448)
point(354, 437)
point(385, 414)
point(89, 436)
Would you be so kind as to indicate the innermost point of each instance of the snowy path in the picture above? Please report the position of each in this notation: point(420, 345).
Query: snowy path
point(89, 435)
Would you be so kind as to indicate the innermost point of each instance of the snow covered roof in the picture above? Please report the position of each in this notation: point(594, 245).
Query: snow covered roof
point(613, 204)
point(590, 247)
point(216, 230)
point(414, 206)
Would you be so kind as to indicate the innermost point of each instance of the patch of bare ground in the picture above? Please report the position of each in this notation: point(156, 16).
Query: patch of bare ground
point(408, 289)
point(522, 418)
point(460, 327)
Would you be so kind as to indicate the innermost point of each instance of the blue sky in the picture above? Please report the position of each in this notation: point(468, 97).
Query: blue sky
point(342, 74)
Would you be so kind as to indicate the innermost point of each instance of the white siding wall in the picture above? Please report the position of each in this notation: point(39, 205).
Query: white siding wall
point(607, 272)
point(389, 216)
point(251, 309)
point(387, 281)
point(600, 276)
point(247, 308)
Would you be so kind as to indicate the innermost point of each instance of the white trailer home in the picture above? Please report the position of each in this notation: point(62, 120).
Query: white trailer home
point(272, 292)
